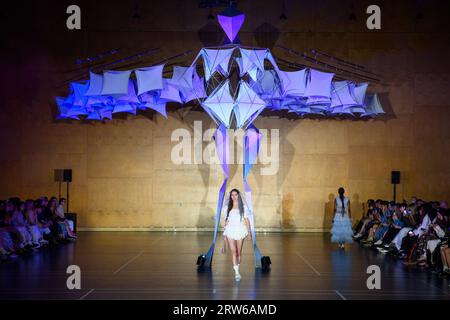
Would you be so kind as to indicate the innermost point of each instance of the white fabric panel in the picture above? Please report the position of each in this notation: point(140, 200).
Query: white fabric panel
point(319, 84)
point(360, 92)
point(293, 82)
point(78, 91)
point(221, 103)
point(130, 97)
point(182, 76)
point(247, 104)
point(149, 79)
point(170, 92)
point(372, 105)
point(341, 95)
point(115, 82)
point(95, 84)
point(213, 58)
point(251, 59)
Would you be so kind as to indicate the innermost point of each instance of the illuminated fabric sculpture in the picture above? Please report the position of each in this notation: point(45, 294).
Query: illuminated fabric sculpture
point(229, 101)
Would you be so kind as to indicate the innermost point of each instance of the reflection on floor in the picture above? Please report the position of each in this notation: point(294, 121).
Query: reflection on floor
point(145, 265)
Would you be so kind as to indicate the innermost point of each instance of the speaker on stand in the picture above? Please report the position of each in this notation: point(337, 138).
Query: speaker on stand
point(395, 179)
point(67, 177)
point(59, 178)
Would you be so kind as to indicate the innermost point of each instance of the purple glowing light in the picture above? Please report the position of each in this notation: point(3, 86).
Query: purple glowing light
point(231, 24)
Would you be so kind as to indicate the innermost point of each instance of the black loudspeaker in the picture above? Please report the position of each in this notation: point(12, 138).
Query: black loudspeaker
point(395, 177)
point(67, 175)
point(265, 263)
point(59, 177)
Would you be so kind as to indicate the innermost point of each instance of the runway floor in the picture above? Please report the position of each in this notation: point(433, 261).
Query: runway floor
point(161, 265)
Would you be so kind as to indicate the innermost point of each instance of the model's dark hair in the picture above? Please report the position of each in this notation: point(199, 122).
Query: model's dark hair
point(240, 204)
point(341, 195)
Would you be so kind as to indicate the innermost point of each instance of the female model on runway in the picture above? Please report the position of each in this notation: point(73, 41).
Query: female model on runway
point(237, 228)
point(342, 232)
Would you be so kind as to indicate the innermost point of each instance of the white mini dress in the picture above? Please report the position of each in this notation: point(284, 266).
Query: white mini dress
point(236, 228)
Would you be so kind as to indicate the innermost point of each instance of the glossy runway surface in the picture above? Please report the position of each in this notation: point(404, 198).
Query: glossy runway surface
point(146, 265)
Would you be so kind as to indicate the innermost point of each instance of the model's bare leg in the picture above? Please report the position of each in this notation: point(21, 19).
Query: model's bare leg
point(445, 255)
point(233, 249)
point(225, 242)
point(239, 246)
point(363, 227)
point(372, 232)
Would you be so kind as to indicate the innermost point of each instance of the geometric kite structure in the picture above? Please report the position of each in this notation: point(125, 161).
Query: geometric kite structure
point(235, 85)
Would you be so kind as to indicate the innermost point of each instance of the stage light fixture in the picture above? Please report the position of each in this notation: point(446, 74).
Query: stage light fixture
point(210, 15)
point(283, 12)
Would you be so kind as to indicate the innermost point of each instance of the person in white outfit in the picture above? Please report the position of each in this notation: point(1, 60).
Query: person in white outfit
point(237, 227)
point(418, 231)
point(341, 231)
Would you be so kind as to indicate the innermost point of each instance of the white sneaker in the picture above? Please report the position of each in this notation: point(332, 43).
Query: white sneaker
point(237, 275)
point(378, 242)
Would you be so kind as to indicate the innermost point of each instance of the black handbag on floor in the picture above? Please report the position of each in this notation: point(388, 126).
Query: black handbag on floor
point(265, 263)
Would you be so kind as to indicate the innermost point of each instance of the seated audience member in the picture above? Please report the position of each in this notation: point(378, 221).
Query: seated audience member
point(437, 236)
point(32, 223)
point(43, 222)
point(373, 219)
point(24, 225)
point(412, 237)
point(7, 248)
point(394, 228)
point(361, 226)
point(16, 224)
point(419, 252)
point(50, 213)
point(445, 258)
point(64, 229)
point(386, 221)
point(409, 222)
point(379, 218)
